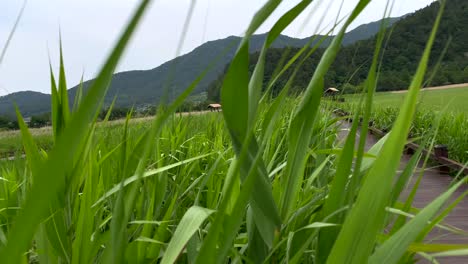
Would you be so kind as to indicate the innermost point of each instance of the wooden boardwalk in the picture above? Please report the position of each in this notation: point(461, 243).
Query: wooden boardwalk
point(432, 185)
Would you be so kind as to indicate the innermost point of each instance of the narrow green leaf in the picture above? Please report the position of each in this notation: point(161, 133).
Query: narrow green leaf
point(50, 178)
point(62, 88)
point(357, 237)
point(190, 223)
point(32, 151)
point(452, 253)
point(300, 130)
point(12, 32)
point(256, 81)
point(150, 173)
point(396, 246)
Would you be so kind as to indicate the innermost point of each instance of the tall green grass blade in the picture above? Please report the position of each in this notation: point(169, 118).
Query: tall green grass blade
point(50, 178)
point(436, 247)
point(395, 247)
point(62, 88)
point(149, 173)
point(235, 100)
point(370, 87)
point(118, 232)
point(405, 176)
point(32, 151)
point(78, 96)
point(256, 81)
point(452, 253)
point(300, 130)
point(441, 217)
point(81, 247)
point(12, 32)
point(338, 194)
point(358, 234)
point(56, 105)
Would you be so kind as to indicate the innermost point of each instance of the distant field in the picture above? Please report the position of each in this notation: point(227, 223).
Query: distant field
point(446, 104)
point(455, 99)
point(11, 142)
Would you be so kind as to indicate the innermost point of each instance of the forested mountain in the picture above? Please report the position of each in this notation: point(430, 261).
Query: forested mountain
point(148, 86)
point(29, 102)
point(401, 54)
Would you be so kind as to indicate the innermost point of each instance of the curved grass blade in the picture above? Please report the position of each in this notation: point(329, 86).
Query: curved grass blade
point(300, 130)
point(396, 246)
point(256, 81)
point(235, 101)
point(150, 173)
point(32, 151)
point(50, 178)
point(12, 32)
point(358, 234)
point(338, 194)
point(452, 253)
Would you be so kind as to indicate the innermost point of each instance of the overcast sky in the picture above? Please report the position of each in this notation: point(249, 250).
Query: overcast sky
point(90, 27)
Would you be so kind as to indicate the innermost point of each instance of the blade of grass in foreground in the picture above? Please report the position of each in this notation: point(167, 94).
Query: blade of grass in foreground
point(142, 152)
point(338, 193)
point(150, 173)
point(256, 81)
point(264, 209)
point(235, 102)
point(343, 188)
point(394, 247)
point(51, 176)
point(12, 32)
point(192, 220)
point(30, 148)
point(358, 234)
point(369, 86)
point(300, 130)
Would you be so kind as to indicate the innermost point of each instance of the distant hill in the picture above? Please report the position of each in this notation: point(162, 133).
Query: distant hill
point(402, 54)
point(149, 86)
point(29, 102)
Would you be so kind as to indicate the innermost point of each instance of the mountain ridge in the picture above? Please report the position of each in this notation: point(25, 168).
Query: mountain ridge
point(448, 63)
point(141, 87)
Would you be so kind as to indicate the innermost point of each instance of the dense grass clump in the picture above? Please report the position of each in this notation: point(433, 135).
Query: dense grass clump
point(437, 100)
point(447, 128)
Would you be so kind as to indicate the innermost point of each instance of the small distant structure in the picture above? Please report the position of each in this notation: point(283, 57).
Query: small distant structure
point(214, 107)
point(27, 120)
point(332, 92)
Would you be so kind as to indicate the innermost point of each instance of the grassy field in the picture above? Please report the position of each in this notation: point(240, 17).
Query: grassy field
point(445, 109)
point(262, 182)
point(453, 99)
point(11, 140)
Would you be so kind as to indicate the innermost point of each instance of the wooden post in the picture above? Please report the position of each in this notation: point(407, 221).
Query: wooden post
point(441, 151)
point(409, 150)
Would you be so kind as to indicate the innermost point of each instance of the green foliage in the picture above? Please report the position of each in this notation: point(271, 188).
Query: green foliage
point(452, 131)
point(114, 114)
point(7, 123)
point(40, 120)
point(399, 60)
point(451, 100)
point(448, 106)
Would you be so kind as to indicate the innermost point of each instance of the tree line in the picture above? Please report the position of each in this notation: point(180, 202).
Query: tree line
point(404, 45)
point(43, 120)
